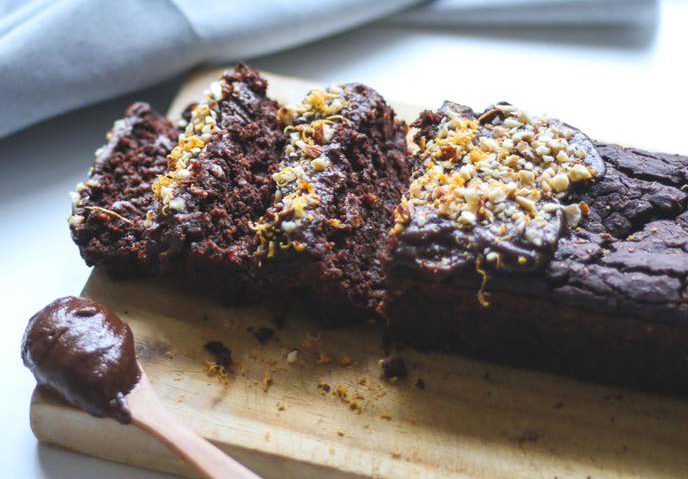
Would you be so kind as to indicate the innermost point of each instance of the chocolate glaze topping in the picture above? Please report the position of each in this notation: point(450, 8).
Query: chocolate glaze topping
point(494, 187)
point(85, 352)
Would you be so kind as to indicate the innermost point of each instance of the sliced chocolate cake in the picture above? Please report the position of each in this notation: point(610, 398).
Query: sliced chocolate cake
point(110, 207)
point(218, 183)
point(522, 241)
point(341, 175)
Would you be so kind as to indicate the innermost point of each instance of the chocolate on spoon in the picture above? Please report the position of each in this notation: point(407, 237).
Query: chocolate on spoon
point(85, 352)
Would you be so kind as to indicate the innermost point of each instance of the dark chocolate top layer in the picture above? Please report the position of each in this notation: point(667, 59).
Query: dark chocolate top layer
point(85, 352)
point(492, 190)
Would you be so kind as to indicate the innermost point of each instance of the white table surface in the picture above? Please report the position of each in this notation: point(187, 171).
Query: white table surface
point(598, 82)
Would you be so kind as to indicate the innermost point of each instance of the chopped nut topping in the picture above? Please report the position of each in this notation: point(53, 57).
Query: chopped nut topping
point(293, 356)
point(311, 129)
point(341, 391)
point(75, 219)
point(197, 133)
point(499, 178)
point(573, 214)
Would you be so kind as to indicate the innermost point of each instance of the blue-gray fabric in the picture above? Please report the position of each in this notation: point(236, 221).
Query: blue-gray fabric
point(58, 55)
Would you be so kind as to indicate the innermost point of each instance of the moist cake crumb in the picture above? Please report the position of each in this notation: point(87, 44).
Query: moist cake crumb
point(393, 368)
point(264, 334)
point(222, 354)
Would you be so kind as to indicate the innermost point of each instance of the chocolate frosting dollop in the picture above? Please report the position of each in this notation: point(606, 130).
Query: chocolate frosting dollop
point(85, 352)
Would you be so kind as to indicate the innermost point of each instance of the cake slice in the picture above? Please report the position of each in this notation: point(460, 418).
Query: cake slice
point(341, 175)
point(109, 208)
point(522, 241)
point(218, 183)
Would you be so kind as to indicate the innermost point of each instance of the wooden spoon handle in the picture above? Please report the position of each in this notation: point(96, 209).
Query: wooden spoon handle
point(149, 415)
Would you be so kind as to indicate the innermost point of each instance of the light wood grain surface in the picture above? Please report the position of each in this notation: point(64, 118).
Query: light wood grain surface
point(472, 420)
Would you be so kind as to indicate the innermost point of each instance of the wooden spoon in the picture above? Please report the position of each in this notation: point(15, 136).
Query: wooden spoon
point(149, 415)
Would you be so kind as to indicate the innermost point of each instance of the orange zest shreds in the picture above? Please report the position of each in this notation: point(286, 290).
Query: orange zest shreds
point(109, 213)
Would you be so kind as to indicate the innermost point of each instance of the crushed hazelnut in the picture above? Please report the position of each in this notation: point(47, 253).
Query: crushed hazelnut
point(293, 356)
point(341, 391)
point(505, 171)
point(310, 132)
point(197, 132)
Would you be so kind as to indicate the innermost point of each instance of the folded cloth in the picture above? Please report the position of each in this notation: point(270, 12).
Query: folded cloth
point(570, 13)
point(57, 55)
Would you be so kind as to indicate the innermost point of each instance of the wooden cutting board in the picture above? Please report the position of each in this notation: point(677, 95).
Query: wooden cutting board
point(471, 420)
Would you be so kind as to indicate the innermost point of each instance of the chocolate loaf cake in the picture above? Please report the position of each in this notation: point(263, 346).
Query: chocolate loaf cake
point(218, 183)
point(521, 241)
point(340, 177)
point(110, 207)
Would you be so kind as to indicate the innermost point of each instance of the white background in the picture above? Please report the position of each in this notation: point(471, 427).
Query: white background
point(630, 89)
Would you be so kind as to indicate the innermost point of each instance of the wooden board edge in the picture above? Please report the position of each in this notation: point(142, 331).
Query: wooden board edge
point(58, 424)
point(115, 442)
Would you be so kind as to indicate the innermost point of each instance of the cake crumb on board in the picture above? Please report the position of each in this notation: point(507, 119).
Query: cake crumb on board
point(213, 369)
point(310, 341)
point(293, 356)
point(324, 388)
point(267, 381)
point(344, 359)
point(324, 358)
point(393, 368)
point(221, 353)
point(263, 334)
